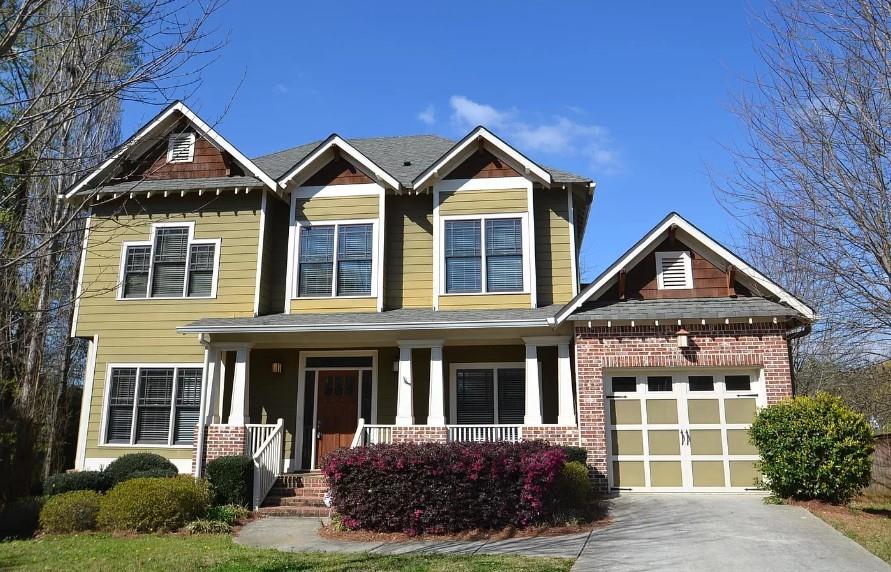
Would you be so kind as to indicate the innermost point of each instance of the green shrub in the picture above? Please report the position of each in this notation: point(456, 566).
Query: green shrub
point(151, 504)
point(813, 448)
point(578, 454)
point(232, 479)
point(77, 481)
point(229, 513)
point(208, 527)
point(20, 517)
point(125, 466)
point(152, 473)
point(73, 511)
point(573, 489)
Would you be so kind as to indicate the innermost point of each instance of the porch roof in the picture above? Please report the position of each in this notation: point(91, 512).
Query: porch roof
point(402, 319)
point(685, 308)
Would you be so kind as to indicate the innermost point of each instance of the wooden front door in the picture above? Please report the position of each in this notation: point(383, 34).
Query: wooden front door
point(336, 411)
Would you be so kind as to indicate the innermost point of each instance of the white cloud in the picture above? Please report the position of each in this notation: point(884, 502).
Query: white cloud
point(557, 136)
point(427, 115)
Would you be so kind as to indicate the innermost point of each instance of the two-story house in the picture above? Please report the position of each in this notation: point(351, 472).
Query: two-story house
point(355, 291)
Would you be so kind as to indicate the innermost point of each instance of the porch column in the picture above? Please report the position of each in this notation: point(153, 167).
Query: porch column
point(533, 388)
point(404, 415)
point(436, 405)
point(565, 409)
point(238, 412)
point(214, 384)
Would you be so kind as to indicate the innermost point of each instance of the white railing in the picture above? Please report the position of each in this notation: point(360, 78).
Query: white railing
point(372, 434)
point(267, 458)
point(257, 434)
point(509, 433)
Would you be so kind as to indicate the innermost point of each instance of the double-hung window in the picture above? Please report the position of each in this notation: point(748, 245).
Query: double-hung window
point(171, 265)
point(335, 260)
point(483, 255)
point(489, 394)
point(150, 405)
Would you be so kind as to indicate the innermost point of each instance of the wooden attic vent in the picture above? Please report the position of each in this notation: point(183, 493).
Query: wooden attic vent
point(674, 270)
point(181, 148)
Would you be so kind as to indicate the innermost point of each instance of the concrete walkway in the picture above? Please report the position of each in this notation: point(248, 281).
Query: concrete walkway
point(649, 532)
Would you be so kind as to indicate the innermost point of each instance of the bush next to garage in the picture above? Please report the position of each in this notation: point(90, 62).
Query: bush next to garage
point(232, 479)
point(813, 448)
point(440, 488)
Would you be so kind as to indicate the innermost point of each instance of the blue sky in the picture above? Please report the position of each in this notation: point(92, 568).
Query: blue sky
point(634, 95)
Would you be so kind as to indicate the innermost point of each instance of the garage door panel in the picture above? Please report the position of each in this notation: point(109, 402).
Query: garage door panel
point(739, 410)
point(666, 474)
point(738, 442)
point(629, 474)
point(625, 412)
point(706, 442)
point(664, 442)
point(743, 473)
point(704, 411)
point(627, 442)
point(708, 473)
point(662, 411)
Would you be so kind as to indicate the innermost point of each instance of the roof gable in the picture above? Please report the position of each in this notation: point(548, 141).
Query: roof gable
point(329, 149)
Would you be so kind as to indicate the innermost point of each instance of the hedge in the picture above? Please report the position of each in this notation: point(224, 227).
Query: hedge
point(232, 479)
point(73, 511)
point(439, 488)
point(77, 481)
point(127, 466)
point(813, 448)
point(152, 504)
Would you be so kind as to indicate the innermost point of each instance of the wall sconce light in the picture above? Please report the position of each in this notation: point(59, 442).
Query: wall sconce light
point(683, 338)
point(276, 367)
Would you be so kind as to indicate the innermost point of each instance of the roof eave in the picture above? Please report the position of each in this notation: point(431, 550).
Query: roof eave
point(364, 327)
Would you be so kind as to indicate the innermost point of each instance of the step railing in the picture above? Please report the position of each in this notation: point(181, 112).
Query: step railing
point(466, 433)
point(257, 433)
point(267, 457)
point(372, 434)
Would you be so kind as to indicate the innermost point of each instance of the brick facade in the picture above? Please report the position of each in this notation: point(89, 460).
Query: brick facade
point(554, 434)
point(221, 441)
point(420, 434)
point(730, 345)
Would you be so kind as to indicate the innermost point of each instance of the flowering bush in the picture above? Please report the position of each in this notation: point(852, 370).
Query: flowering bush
point(438, 488)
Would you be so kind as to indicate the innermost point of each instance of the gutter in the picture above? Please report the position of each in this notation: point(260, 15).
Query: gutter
point(794, 335)
point(363, 327)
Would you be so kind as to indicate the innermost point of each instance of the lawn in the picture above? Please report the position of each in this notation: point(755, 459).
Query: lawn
point(218, 552)
point(868, 522)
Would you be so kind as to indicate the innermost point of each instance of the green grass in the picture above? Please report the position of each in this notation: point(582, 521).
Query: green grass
point(867, 522)
point(217, 552)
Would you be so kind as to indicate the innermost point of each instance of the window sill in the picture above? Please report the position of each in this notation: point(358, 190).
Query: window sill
point(362, 297)
point(444, 294)
point(142, 446)
point(165, 298)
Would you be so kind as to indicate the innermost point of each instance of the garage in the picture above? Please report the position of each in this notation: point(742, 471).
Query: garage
point(682, 431)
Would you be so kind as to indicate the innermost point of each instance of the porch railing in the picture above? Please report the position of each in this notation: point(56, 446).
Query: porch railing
point(463, 433)
point(267, 458)
point(257, 434)
point(372, 434)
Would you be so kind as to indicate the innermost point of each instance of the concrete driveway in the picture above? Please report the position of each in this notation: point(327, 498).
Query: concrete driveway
point(718, 533)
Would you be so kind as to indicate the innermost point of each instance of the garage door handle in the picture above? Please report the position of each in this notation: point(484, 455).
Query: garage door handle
point(682, 437)
point(689, 441)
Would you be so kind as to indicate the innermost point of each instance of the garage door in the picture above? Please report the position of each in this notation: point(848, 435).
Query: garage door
point(682, 431)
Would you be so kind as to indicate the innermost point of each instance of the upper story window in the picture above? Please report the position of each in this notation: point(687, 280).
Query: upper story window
point(172, 265)
point(335, 260)
point(674, 270)
point(181, 148)
point(483, 255)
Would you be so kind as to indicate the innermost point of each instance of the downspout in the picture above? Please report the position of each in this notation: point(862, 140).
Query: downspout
point(794, 335)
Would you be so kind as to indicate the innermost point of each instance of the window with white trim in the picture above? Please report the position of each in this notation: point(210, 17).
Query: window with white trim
point(490, 395)
point(150, 405)
point(172, 265)
point(674, 270)
point(181, 148)
point(483, 255)
point(335, 260)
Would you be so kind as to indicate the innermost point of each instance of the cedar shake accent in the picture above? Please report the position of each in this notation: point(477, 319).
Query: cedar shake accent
point(208, 161)
point(482, 165)
point(338, 171)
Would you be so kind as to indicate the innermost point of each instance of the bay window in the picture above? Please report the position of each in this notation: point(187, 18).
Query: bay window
point(335, 260)
point(483, 255)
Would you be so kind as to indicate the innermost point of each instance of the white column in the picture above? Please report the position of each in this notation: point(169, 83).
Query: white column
point(436, 407)
point(404, 414)
point(533, 388)
point(565, 409)
point(238, 412)
point(214, 385)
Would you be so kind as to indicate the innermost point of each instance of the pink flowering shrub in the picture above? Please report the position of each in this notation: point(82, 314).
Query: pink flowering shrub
point(438, 488)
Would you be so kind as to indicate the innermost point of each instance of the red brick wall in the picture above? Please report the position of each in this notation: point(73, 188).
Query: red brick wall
point(420, 434)
point(732, 345)
point(221, 441)
point(554, 434)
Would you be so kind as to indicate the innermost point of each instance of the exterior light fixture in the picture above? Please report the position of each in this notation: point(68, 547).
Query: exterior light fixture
point(276, 367)
point(683, 338)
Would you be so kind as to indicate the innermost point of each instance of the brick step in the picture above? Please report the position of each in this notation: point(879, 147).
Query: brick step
point(309, 493)
point(292, 501)
point(293, 511)
point(301, 480)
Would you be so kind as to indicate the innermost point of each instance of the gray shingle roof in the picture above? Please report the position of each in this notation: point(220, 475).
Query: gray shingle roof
point(418, 319)
point(690, 308)
point(209, 183)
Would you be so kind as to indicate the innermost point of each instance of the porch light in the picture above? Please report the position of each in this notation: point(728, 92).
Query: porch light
point(683, 338)
point(276, 367)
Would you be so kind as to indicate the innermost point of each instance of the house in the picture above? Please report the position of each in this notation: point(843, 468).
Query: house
point(355, 291)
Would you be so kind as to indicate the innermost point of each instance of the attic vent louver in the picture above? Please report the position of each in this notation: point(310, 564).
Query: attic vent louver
point(674, 270)
point(181, 148)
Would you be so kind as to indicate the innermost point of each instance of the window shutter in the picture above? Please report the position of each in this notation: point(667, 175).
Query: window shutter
point(674, 270)
point(201, 260)
point(463, 259)
point(136, 270)
point(475, 396)
point(181, 148)
point(188, 399)
point(170, 261)
point(504, 255)
point(153, 407)
point(316, 265)
point(354, 245)
point(511, 395)
point(120, 405)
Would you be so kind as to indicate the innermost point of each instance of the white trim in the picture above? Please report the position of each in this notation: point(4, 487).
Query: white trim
point(491, 184)
point(86, 401)
point(686, 260)
point(174, 139)
point(292, 252)
point(437, 223)
point(109, 367)
point(154, 124)
point(261, 246)
point(494, 367)
point(439, 168)
point(330, 191)
point(80, 272)
point(530, 243)
point(371, 326)
point(546, 340)
point(572, 254)
point(376, 269)
point(380, 269)
point(694, 238)
point(324, 152)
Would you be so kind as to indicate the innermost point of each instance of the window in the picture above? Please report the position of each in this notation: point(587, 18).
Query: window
point(659, 383)
point(486, 395)
point(495, 244)
point(624, 384)
point(153, 405)
point(181, 148)
point(674, 270)
point(738, 383)
point(702, 383)
point(172, 265)
point(348, 273)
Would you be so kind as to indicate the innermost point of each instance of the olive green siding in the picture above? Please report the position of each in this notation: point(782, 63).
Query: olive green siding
point(144, 330)
point(483, 301)
point(409, 252)
point(483, 202)
point(275, 257)
point(553, 253)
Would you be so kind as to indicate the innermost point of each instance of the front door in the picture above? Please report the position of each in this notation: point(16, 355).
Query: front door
point(336, 411)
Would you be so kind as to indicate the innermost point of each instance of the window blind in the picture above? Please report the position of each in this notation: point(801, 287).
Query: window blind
point(511, 395)
point(169, 273)
point(120, 405)
point(201, 257)
point(475, 396)
point(316, 265)
point(504, 255)
point(463, 260)
point(136, 270)
point(354, 246)
point(188, 399)
point(153, 405)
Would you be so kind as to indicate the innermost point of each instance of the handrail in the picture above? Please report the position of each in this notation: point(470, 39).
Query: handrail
point(357, 438)
point(371, 434)
point(267, 460)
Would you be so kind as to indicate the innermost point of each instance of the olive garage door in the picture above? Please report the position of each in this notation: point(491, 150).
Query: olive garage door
point(682, 431)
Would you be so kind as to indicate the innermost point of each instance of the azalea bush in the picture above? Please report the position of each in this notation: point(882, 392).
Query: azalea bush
point(440, 488)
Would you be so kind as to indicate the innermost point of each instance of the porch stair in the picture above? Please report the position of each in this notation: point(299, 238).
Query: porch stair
point(296, 494)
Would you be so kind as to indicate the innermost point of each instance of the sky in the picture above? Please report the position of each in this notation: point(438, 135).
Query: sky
point(634, 95)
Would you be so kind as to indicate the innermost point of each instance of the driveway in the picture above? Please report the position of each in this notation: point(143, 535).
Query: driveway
point(718, 533)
